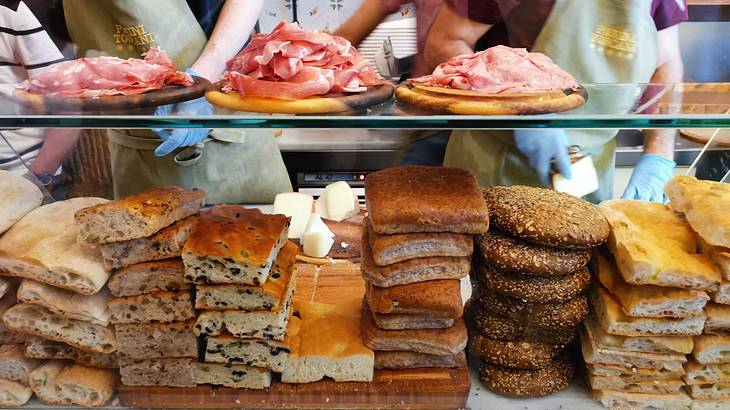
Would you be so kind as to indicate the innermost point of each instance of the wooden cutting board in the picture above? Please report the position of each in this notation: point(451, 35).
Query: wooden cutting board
point(403, 389)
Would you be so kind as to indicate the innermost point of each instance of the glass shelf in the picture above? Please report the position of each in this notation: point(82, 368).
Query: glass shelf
point(658, 106)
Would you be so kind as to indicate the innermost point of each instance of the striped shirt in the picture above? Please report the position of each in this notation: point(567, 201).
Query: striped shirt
point(25, 49)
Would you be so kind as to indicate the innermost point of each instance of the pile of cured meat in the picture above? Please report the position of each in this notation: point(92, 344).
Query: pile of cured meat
point(107, 76)
point(291, 63)
point(500, 69)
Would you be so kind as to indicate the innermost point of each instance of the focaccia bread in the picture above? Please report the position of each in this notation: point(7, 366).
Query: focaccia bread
point(707, 373)
point(148, 277)
point(436, 298)
point(711, 392)
point(416, 198)
point(137, 216)
point(39, 321)
point(718, 319)
point(238, 250)
point(722, 295)
point(18, 196)
point(719, 255)
point(245, 297)
point(156, 340)
point(711, 349)
point(613, 399)
point(175, 372)
point(60, 383)
point(14, 366)
point(270, 354)
point(655, 246)
point(410, 360)
point(42, 246)
point(704, 204)
point(390, 249)
point(68, 304)
point(647, 300)
point(165, 244)
point(14, 394)
point(157, 307)
point(232, 375)
point(633, 374)
point(651, 387)
point(643, 344)
point(39, 348)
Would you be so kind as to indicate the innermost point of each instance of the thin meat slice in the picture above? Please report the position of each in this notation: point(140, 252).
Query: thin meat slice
point(308, 82)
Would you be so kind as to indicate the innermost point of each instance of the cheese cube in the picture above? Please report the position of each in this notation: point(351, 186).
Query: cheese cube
point(583, 182)
point(338, 202)
point(317, 239)
point(298, 207)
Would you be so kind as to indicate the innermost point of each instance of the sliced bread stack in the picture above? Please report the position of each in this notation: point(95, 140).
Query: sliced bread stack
point(243, 269)
point(704, 205)
point(529, 288)
point(648, 302)
point(417, 246)
point(61, 300)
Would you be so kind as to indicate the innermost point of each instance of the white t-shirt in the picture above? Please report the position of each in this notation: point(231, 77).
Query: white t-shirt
point(25, 50)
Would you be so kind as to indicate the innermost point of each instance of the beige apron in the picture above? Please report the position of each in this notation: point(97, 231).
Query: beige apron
point(600, 41)
point(235, 166)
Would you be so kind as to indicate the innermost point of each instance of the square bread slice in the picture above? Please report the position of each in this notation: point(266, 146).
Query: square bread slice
point(714, 404)
point(232, 375)
point(48, 252)
point(711, 349)
point(718, 319)
point(704, 204)
point(157, 307)
point(341, 355)
point(269, 354)
point(412, 271)
point(156, 340)
point(395, 321)
point(390, 249)
point(719, 255)
point(14, 366)
point(62, 384)
point(411, 360)
point(137, 216)
point(633, 374)
point(651, 387)
point(165, 244)
point(262, 324)
point(174, 372)
point(643, 344)
point(239, 250)
point(647, 300)
point(722, 295)
point(614, 321)
point(655, 246)
point(68, 304)
point(39, 321)
point(699, 374)
point(147, 277)
point(244, 297)
point(613, 399)
point(710, 391)
point(39, 348)
point(436, 298)
point(14, 394)
point(430, 341)
point(416, 198)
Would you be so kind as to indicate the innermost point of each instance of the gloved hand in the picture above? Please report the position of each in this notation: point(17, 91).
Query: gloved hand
point(541, 147)
point(176, 138)
point(650, 175)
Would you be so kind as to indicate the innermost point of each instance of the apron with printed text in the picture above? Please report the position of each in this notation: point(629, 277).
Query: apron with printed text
point(600, 41)
point(233, 166)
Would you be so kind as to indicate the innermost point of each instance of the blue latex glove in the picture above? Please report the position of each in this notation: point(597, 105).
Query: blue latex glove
point(541, 147)
point(176, 138)
point(650, 175)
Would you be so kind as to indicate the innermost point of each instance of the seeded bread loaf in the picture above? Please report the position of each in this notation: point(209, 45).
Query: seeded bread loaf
point(518, 354)
point(269, 354)
point(232, 375)
point(14, 394)
point(137, 216)
point(527, 383)
point(175, 372)
point(557, 315)
point(147, 277)
point(536, 289)
point(157, 307)
point(39, 348)
point(410, 360)
point(65, 303)
point(156, 340)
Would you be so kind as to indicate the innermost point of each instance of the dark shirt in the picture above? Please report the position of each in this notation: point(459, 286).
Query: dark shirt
point(207, 12)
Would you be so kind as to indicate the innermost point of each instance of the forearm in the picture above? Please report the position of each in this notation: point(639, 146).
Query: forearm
point(363, 22)
point(451, 35)
point(234, 26)
point(661, 141)
point(58, 144)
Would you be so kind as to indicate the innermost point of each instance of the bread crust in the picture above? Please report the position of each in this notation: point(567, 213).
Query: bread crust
point(390, 249)
point(536, 289)
point(18, 196)
point(410, 360)
point(558, 315)
point(517, 354)
point(148, 277)
point(416, 198)
point(527, 383)
point(436, 298)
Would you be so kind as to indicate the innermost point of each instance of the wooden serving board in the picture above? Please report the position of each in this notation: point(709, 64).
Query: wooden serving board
point(170, 94)
point(418, 389)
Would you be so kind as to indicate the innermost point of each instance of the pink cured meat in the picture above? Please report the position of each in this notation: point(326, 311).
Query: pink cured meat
point(500, 69)
point(107, 76)
point(291, 63)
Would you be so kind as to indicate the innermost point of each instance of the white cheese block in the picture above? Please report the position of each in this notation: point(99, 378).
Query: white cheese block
point(583, 182)
point(298, 207)
point(317, 239)
point(338, 202)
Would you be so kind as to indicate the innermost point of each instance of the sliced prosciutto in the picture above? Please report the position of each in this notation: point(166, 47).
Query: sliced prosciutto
point(107, 76)
point(500, 69)
point(291, 63)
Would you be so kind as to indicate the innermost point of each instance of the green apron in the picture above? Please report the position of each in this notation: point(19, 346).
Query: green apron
point(233, 166)
point(600, 41)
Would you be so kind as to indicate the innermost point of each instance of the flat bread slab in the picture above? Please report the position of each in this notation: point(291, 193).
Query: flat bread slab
point(436, 298)
point(704, 204)
point(18, 196)
point(325, 104)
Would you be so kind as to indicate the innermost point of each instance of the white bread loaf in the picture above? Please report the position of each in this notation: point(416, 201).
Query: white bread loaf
point(61, 383)
point(704, 204)
point(14, 366)
point(18, 196)
point(68, 304)
point(13, 394)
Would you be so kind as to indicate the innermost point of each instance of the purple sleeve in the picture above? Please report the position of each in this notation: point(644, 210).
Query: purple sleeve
point(668, 13)
point(481, 11)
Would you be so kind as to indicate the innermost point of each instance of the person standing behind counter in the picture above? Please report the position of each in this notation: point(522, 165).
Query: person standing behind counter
point(597, 41)
point(233, 166)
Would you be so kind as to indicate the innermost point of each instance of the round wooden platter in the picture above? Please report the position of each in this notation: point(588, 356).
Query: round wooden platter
point(702, 136)
point(326, 104)
point(170, 94)
point(465, 102)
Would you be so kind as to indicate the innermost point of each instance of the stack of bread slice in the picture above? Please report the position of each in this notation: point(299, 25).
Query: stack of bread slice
point(648, 302)
point(417, 246)
point(704, 205)
point(529, 288)
point(243, 268)
point(152, 309)
point(61, 303)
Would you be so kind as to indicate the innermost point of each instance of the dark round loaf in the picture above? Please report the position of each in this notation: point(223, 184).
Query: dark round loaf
point(546, 217)
point(562, 315)
point(527, 383)
point(506, 253)
point(536, 288)
point(519, 354)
